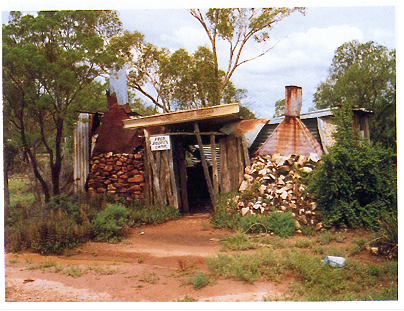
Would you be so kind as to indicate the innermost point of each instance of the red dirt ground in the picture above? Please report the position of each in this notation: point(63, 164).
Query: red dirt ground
point(170, 252)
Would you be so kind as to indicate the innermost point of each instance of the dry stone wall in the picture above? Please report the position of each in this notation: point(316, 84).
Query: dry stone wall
point(121, 174)
point(273, 183)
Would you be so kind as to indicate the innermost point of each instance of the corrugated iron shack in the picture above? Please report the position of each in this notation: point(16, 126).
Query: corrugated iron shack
point(190, 161)
point(179, 158)
point(319, 123)
point(187, 158)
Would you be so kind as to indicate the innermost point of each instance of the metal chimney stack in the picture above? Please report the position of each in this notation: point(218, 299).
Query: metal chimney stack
point(293, 101)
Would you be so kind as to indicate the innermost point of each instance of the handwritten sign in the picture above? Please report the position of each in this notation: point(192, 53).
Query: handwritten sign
point(161, 142)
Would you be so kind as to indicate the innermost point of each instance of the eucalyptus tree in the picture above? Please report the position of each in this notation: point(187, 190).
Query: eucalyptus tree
point(364, 75)
point(237, 27)
point(178, 80)
point(49, 60)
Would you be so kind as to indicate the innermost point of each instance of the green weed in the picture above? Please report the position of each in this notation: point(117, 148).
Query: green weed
point(150, 278)
point(199, 280)
point(73, 271)
point(325, 238)
point(303, 243)
point(238, 241)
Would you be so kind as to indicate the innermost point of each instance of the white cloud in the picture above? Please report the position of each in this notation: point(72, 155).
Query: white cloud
point(186, 37)
point(301, 59)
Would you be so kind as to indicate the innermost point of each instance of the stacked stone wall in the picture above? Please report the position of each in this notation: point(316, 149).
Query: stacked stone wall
point(121, 174)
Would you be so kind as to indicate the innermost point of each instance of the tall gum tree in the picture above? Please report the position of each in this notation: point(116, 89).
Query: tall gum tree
point(49, 60)
point(238, 26)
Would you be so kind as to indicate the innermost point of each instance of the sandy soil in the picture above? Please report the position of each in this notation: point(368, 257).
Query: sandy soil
point(151, 265)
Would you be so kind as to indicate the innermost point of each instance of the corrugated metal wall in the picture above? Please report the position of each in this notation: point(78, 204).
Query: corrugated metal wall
point(81, 152)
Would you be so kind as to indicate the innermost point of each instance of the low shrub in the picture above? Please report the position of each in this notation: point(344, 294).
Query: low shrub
point(247, 267)
point(325, 238)
point(110, 223)
point(238, 242)
point(387, 240)
point(225, 216)
point(199, 280)
point(50, 235)
point(356, 182)
point(281, 224)
point(152, 215)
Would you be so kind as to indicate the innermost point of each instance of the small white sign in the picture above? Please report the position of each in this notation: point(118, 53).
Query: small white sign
point(161, 142)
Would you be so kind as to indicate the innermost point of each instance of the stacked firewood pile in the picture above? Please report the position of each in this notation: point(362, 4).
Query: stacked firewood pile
point(273, 183)
point(121, 174)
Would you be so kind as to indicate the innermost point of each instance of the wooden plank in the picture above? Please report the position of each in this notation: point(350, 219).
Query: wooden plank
point(172, 177)
point(205, 165)
point(166, 178)
point(240, 160)
point(247, 161)
point(156, 183)
point(232, 161)
point(215, 177)
point(224, 172)
point(148, 178)
point(162, 175)
point(226, 113)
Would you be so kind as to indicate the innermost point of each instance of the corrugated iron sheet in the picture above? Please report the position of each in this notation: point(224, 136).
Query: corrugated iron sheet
point(81, 151)
point(248, 129)
point(291, 137)
point(326, 129)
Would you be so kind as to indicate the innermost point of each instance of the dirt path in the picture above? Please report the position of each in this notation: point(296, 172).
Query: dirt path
point(152, 264)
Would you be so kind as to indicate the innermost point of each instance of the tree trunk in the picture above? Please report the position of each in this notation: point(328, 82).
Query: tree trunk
point(34, 165)
point(6, 192)
point(56, 167)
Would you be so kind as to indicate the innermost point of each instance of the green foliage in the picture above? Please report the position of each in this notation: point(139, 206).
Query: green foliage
point(226, 216)
point(199, 280)
point(247, 267)
point(365, 75)
point(153, 215)
point(279, 108)
point(50, 235)
point(388, 237)
point(238, 241)
point(325, 238)
point(356, 183)
point(182, 80)
point(281, 224)
point(110, 223)
point(50, 62)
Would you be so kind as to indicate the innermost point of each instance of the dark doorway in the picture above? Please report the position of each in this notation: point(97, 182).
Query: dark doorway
point(198, 194)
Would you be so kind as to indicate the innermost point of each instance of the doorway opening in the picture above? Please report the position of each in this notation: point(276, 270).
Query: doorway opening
point(199, 200)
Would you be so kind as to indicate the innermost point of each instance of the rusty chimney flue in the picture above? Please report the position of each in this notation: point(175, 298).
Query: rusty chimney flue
point(293, 101)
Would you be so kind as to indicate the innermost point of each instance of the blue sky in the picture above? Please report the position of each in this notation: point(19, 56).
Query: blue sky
point(302, 57)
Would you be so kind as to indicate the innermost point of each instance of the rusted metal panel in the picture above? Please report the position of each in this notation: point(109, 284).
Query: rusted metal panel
point(111, 134)
point(247, 129)
point(293, 101)
point(291, 137)
point(82, 146)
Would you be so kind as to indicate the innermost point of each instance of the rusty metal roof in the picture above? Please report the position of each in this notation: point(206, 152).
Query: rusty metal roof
point(291, 137)
point(248, 129)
